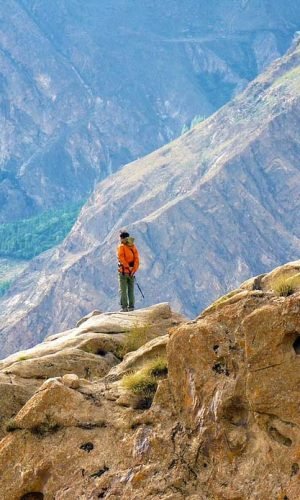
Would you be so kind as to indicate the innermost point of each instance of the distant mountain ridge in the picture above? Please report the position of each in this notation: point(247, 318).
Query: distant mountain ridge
point(86, 89)
point(209, 210)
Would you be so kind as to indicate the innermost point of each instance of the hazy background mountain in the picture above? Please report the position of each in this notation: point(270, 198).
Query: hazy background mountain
point(88, 86)
point(209, 210)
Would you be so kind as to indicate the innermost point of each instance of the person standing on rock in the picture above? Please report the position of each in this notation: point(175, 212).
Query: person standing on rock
point(129, 261)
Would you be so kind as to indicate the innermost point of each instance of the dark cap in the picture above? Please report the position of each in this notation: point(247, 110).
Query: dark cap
point(124, 234)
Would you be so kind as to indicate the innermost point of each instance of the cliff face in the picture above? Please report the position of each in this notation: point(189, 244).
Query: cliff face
point(212, 208)
point(86, 89)
point(223, 423)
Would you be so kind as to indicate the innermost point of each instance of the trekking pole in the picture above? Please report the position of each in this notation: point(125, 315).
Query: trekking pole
point(139, 288)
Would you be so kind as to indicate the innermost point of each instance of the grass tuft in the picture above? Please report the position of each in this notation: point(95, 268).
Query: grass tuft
point(11, 425)
point(284, 287)
point(140, 383)
point(22, 358)
point(135, 338)
point(45, 428)
point(144, 382)
point(157, 367)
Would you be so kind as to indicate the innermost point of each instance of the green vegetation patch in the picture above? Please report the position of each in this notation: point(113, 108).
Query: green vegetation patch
point(45, 428)
point(28, 238)
point(140, 383)
point(135, 338)
point(284, 286)
point(22, 358)
point(11, 425)
point(144, 381)
point(157, 367)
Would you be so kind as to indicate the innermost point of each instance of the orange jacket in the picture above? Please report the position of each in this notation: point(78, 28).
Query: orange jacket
point(128, 257)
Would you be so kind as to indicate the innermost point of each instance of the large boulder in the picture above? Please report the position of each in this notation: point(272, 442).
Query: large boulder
point(55, 405)
point(12, 396)
point(234, 374)
point(88, 351)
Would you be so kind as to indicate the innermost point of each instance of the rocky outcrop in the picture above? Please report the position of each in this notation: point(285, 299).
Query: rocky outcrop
point(88, 351)
point(223, 424)
point(211, 209)
point(100, 86)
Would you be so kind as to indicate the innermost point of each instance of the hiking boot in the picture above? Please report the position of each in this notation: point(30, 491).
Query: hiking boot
point(130, 308)
point(123, 310)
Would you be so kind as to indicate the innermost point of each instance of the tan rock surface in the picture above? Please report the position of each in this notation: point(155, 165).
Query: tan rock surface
point(71, 380)
point(85, 352)
point(96, 312)
point(12, 397)
point(224, 424)
point(55, 405)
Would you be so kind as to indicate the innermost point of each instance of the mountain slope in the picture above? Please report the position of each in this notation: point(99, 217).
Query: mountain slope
point(210, 209)
point(85, 90)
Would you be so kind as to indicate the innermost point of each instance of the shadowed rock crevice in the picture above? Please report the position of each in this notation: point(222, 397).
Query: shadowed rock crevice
point(35, 495)
point(88, 447)
point(295, 469)
point(220, 367)
point(101, 352)
point(277, 436)
point(296, 345)
point(100, 472)
point(236, 412)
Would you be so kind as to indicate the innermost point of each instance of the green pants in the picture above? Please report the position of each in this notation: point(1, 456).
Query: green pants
point(126, 289)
